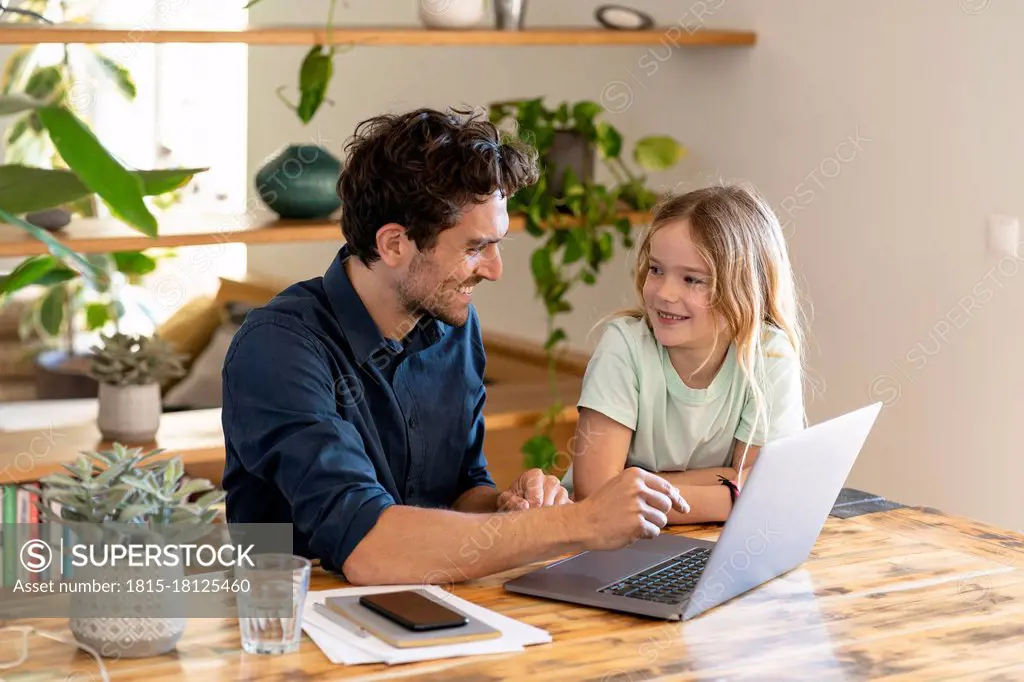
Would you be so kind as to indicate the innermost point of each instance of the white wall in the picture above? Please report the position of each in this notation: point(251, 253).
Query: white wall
point(888, 236)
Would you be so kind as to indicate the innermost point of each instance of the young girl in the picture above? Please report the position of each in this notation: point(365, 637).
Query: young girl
point(708, 369)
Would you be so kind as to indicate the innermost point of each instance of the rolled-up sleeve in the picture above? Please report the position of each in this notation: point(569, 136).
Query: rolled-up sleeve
point(281, 417)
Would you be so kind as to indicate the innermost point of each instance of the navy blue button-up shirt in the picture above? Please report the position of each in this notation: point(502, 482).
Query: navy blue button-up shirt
point(327, 423)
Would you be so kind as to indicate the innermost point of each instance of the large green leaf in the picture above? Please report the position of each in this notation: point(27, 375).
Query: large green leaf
point(314, 77)
point(27, 272)
point(100, 171)
point(120, 76)
point(55, 247)
point(24, 189)
point(658, 152)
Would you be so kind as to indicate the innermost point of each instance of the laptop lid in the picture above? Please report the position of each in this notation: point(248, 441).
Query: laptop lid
point(783, 507)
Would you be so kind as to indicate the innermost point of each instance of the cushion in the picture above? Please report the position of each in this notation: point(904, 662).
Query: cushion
point(201, 387)
point(192, 325)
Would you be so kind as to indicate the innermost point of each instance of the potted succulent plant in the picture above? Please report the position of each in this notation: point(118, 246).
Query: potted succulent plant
point(127, 496)
point(130, 371)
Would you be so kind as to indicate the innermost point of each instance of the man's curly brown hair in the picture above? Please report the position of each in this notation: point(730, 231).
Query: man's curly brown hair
point(421, 170)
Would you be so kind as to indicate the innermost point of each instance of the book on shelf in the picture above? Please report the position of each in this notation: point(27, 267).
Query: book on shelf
point(20, 522)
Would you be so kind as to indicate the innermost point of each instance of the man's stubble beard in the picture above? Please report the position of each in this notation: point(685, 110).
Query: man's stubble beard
point(422, 292)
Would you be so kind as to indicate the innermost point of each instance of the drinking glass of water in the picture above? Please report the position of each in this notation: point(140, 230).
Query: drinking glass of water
point(270, 603)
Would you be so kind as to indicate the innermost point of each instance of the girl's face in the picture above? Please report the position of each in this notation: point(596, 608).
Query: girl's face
point(677, 290)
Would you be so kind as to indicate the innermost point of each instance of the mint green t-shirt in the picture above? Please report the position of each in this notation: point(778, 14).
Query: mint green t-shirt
point(630, 379)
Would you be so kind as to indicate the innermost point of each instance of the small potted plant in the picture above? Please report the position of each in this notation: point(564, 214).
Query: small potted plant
point(130, 371)
point(127, 496)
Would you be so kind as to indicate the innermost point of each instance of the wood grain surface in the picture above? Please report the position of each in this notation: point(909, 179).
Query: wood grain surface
point(908, 594)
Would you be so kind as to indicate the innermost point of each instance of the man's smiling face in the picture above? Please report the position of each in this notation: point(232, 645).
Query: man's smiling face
point(440, 281)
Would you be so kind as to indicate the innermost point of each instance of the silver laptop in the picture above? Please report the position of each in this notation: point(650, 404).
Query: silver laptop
point(771, 530)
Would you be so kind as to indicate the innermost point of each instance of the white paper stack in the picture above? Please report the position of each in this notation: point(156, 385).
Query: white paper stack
point(352, 645)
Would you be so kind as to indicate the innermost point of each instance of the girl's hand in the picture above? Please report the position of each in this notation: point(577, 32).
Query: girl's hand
point(533, 489)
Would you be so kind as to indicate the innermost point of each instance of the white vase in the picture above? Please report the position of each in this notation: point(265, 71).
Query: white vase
point(451, 13)
point(129, 414)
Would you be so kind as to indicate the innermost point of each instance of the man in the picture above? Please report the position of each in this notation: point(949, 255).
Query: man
point(353, 401)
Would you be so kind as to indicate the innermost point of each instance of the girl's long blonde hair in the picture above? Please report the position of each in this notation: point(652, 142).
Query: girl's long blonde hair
point(751, 279)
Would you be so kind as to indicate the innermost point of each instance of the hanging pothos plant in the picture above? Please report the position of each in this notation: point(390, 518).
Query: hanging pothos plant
point(576, 218)
point(315, 73)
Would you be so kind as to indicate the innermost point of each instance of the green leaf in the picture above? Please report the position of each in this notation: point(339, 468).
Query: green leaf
point(121, 77)
point(609, 140)
point(658, 152)
point(574, 246)
point(583, 114)
point(541, 266)
point(17, 129)
point(559, 306)
point(161, 181)
point(15, 104)
point(211, 498)
point(134, 263)
point(24, 189)
point(588, 277)
point(51, 312)
point(27, 272)
point(55, 247)
point(562, 114)
point(556, 336)
point(134, 511)
point(46, 83)
point(191, 488)
point(97, 315)
point(606, 244)
point(314, 77)
point(97, 169)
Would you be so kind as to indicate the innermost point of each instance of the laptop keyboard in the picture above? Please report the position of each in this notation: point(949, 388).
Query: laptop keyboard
point(668, 582)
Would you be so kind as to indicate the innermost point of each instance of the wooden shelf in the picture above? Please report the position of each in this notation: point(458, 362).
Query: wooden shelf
point(21, 34)
point(104, 235)
point(197, 435)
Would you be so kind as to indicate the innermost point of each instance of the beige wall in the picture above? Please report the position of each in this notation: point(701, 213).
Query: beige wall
point(883, 133)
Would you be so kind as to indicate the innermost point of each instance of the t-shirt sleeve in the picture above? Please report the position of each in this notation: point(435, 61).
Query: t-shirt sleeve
point(782, 385)
point(611, 384)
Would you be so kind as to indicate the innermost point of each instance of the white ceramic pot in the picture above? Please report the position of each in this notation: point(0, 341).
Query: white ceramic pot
point(451, 13)
point(129, 414)
point(135, 622)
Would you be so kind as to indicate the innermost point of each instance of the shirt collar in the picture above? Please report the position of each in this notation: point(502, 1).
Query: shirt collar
point(356, 324)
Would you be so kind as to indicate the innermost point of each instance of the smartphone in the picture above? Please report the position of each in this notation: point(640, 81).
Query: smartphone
point(412, 610)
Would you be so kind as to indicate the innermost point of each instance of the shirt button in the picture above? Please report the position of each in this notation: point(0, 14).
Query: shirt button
point(412, 422)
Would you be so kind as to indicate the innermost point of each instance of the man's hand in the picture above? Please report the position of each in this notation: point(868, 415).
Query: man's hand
point(533, 489)
point(632, 506)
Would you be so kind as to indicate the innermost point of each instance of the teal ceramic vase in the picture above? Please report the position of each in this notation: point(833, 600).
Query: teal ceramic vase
point(300, 183)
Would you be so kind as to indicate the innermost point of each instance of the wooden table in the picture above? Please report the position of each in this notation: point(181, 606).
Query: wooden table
point(908, 594)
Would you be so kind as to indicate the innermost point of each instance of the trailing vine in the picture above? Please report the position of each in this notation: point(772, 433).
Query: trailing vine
point(576, 218)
